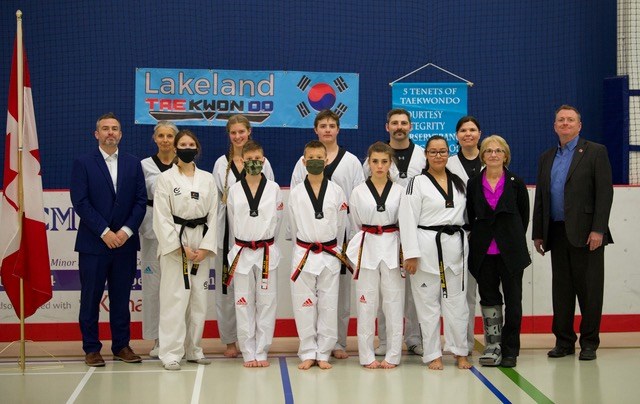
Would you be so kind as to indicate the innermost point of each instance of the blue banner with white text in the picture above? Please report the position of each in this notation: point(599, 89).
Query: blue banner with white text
point(435, 109)
point(208, 97)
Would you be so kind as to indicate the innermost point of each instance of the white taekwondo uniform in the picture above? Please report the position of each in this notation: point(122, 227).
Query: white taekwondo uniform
point(376, 247)
point(455, 166)
point(314, 294)
point(182, 310)
point(346, 171)
point(401, 174)
point(255, 225)
point(149, 263)
point(225, 302)
point(424, 204)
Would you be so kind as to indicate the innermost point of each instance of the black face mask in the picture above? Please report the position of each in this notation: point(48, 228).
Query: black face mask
point(186, 155)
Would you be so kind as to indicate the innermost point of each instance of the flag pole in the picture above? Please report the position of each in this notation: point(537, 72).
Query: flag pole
point(20, 185)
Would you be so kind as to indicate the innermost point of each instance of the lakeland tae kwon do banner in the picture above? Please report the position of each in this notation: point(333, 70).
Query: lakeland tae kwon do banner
point(435, 109)
point(267, 98)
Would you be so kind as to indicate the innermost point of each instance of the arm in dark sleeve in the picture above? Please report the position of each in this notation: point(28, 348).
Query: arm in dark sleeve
point(81, 200)
point(603, 191)
point(523, 203)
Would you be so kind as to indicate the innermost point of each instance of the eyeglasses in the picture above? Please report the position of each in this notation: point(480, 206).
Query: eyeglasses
point(442, 152)
point(492, 151)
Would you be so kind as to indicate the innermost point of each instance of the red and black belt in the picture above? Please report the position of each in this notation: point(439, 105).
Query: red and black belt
point(191, 223)
point(317, 248)
point(449, 229)
point(253, 245)
point(373, 229)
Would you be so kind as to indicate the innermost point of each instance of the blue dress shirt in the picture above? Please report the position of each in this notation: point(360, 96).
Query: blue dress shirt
point(559, 171)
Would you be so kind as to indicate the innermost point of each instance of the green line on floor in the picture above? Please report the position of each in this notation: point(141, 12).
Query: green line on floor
point(527, 387)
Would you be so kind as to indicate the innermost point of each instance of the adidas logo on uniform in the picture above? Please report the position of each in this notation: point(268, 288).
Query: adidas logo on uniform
point(307, 303)
point(344, 206)
point(241, 302)
point(362, 299)
point(424, 285)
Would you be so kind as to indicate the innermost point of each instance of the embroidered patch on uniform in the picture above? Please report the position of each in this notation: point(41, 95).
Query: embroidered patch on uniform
point(362, 299)
point(424, 285)
point(176, 191)
point(195, 195)
point(307, 303)
point(148, 270)
point(280, 206)
point(241, 302)
point(344, 206)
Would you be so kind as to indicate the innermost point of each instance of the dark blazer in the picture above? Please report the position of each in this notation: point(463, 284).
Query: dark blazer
point(588, 195)
point(99, 206)
point(507, 224)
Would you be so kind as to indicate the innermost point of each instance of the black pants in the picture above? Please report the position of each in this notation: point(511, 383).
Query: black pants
point(492, 273)
point(577, 272)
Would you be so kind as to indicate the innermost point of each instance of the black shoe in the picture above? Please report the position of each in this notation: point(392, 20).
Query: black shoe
point(560, 352)
point(587, 354)
point(508, 362)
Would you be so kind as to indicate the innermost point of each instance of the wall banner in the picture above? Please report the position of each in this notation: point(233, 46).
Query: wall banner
point(435, 109)
point(207, 97)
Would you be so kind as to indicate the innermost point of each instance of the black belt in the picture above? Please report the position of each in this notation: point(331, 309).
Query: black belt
point(191, 223)
point(449, 229)
point(254, 245)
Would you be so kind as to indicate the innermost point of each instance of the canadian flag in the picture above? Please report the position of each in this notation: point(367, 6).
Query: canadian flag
point(23, 249)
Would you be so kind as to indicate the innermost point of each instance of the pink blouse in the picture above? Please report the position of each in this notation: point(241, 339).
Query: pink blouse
point(492, 197)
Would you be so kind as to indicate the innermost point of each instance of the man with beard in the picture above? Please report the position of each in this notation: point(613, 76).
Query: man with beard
point(109, 194)
point(410, 161)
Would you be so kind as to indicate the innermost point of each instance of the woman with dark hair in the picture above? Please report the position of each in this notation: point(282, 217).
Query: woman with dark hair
point(498, 212)
point(184, 219)
point(467, 164)
point(431, 216)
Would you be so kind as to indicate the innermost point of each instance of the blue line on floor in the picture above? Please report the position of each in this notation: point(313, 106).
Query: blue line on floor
point(286, 383)
point(490, 385)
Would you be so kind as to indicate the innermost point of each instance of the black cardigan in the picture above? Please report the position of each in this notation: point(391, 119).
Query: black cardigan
point(507, 224)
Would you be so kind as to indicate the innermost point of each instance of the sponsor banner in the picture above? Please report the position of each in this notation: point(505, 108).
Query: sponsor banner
point(435, 109)
point(69, 279)
point(208, 97)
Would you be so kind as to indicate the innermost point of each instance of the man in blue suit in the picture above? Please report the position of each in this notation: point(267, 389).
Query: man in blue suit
point(108, 193)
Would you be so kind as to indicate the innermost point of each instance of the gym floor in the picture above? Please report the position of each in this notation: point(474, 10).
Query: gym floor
point(56, 373)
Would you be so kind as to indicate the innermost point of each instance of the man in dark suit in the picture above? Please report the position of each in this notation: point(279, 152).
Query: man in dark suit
point(574, 193)
point(108, 193)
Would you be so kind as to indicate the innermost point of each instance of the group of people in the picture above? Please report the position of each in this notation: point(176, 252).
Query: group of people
point(417, 232)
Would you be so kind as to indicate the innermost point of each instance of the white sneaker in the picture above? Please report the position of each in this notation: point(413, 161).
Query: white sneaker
point(200, 361)
point(173, 365)
point(416, 350)
point(155, 351)
point(381, 350)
